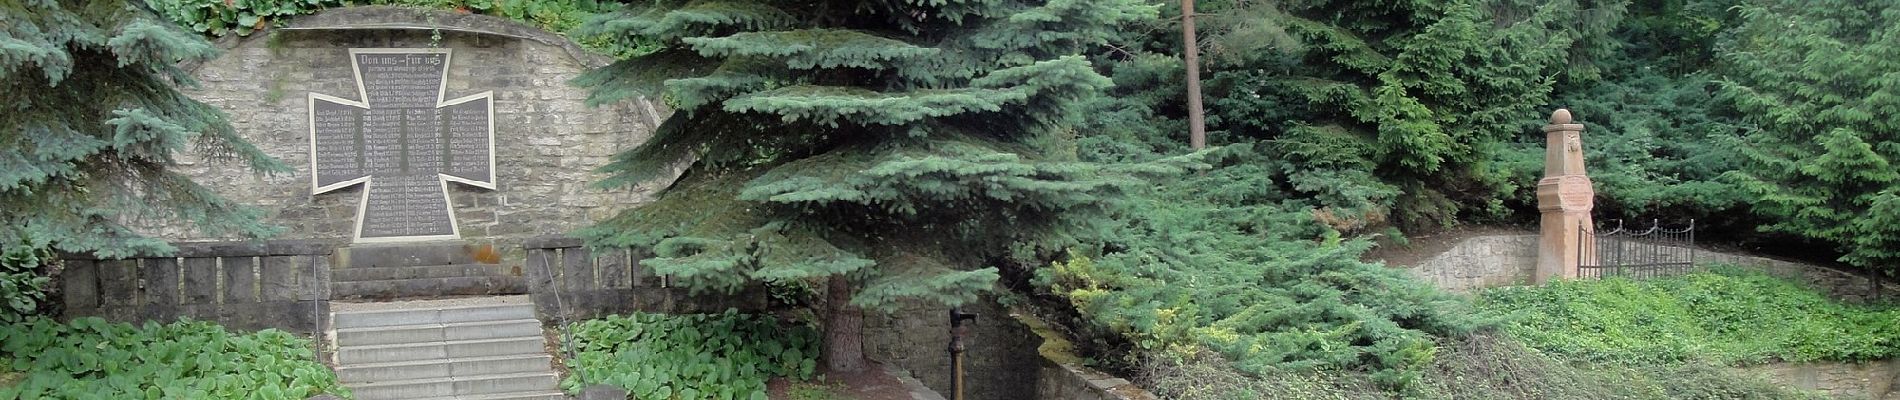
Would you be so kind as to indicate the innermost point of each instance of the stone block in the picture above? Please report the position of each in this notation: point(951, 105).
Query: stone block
point(240, 279)
point(616, 272)
point(603, 392)
point(278, 277)
point(79, 284)
point(118, 282)
point(161, 280)
point(200, 280)
point(577, 269)
point(542, 269)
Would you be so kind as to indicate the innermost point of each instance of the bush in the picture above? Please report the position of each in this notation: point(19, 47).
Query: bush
point(1482, 366)
point(1725, 317)
point(22, 286)
point(223, 17)
point(93, 359)
point(1231, 261)
point(690, 357)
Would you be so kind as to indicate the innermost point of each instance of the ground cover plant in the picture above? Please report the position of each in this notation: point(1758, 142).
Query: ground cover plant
point(93, 359)
point(690, 357)
point(1725, 317)
point(1483, 366)
point(1231, 261)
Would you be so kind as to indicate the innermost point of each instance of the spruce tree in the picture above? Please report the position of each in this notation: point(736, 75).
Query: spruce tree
point(892, 150)
point(1818, 80)
point(90, 119)
point(1412, 96)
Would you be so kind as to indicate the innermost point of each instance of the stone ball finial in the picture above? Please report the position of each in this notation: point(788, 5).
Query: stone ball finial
point(1560, 117)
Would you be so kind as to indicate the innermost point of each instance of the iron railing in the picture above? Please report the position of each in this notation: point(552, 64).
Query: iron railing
point(1651, 253)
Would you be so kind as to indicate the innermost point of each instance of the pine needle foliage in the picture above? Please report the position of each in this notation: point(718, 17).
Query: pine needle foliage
point(1817, 80)
point(90, 121)
point(1418, 94)
point(911, 147)
point(1228, 261)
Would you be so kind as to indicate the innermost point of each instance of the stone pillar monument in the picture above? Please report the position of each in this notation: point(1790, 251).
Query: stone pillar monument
point(1565, 197)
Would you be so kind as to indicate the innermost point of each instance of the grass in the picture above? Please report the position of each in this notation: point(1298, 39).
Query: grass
point(818, 391)
point(1487, 365)
point(1724, 317)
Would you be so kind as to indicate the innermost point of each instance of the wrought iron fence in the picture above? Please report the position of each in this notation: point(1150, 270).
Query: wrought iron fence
point(1650, 253)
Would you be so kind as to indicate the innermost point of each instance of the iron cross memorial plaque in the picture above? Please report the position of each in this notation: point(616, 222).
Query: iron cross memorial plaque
point(403, 142)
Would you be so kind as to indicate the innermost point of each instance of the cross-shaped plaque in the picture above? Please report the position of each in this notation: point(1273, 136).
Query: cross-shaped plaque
point(403, 142)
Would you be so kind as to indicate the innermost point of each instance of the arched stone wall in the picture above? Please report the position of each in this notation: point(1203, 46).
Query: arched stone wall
point(547, 141)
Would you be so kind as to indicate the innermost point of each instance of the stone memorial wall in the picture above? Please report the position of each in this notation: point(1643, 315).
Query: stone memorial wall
point(416, 125)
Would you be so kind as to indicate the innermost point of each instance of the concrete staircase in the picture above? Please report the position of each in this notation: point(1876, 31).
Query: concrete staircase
point(385, 272)
point(484, 348)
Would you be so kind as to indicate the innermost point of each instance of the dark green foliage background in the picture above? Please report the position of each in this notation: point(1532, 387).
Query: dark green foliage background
point(971, 134)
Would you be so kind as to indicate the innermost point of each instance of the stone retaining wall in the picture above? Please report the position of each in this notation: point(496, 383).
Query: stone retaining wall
point(242, 285)
point(999, 361)
point(570, 282)
point(1878, 380)
point(1062, 375)
point(1482, 262)
point(1506, 260)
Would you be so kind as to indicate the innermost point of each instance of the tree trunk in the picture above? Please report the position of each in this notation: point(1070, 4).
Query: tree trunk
point(844, 328)
point(1197, 125)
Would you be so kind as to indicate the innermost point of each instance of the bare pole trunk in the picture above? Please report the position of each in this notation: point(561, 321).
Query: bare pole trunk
point(1197, 126)
point(844, 328)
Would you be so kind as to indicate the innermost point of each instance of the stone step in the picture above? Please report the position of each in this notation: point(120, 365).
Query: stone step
point(429, 287)
point(369, 336)
point(415, 254)
point(534, 395)
point(436, 368)
point(415, 272)
point(392, 353)
point(431, 316)
point(459, 387)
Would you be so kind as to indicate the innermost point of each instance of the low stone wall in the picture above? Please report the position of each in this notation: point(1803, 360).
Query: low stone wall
point(1062, 375)
point(1482, 262)
point(242, 285)
point(1836, 283)
point(570, 282)
point(999, 359)
point(1505, 260)
point(1873, 380)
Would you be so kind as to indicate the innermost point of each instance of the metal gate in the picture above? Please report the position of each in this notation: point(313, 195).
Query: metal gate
point(1650, 253)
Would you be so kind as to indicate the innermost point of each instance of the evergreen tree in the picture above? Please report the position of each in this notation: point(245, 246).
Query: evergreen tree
point(891, 149)
point(1405, 96)
point(1818, 80)
point(89, 123)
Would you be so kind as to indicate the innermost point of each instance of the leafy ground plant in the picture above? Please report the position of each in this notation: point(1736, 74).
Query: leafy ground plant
point(1726, 316)
point(93, 359)
point(1485, 365)
point(690, 357)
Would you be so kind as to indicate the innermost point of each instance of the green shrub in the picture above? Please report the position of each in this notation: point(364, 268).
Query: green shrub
point(225, 17)
point(1479, 367)
point(690, 357)
point(93, 359)
point(1232, 261)
point(1725, 317)
point(22, 286)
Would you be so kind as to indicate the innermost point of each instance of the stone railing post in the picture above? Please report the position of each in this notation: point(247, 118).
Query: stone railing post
point(1565, 197)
